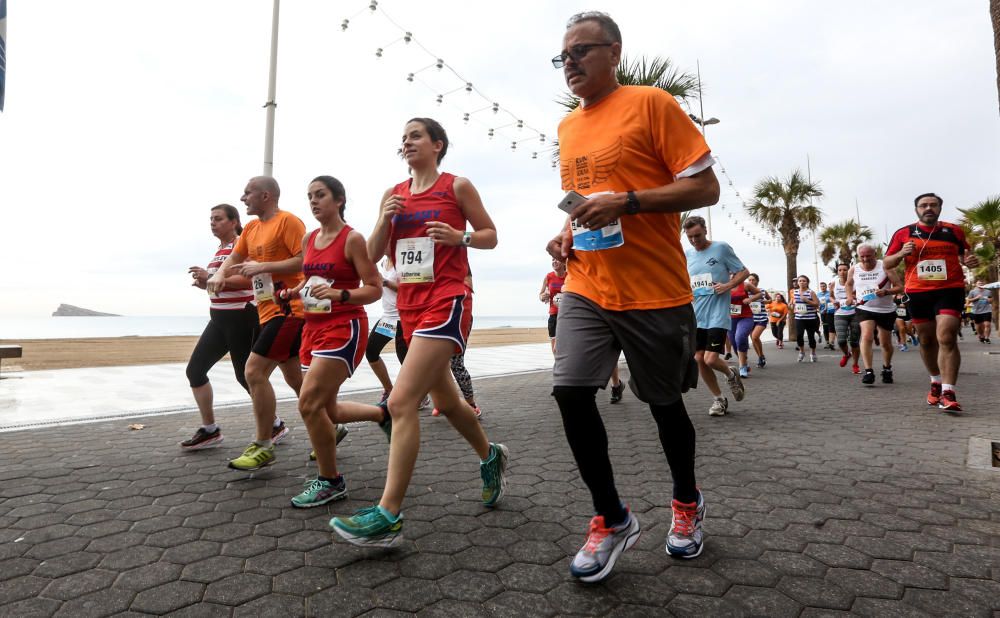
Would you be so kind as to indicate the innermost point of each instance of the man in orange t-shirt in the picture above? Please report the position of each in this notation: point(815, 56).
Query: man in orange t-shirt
point(269, 253)
point(641, 161)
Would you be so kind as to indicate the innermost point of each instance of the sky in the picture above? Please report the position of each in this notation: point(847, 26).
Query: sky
point(125, 122)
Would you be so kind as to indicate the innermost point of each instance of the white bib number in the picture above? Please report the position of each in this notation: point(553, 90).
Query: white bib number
point(801, 308)
point(557, 299)
point(901, 312)
point(868, 294)
point(702, 285)
point(756, 307)
point(386, 328)
point(263, 287)
point(735, 310)
point(310, 303)
point(932, 270)
point(607, 237)
point(415, 260)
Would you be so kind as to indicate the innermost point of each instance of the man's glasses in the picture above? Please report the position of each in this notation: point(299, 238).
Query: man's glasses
point(577, 52)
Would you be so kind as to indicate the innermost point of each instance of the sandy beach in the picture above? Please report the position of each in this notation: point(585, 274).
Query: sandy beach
point(123, 351)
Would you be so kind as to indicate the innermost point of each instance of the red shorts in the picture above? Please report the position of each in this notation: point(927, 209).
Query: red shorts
point(280, 338)
point(448, 318)
point(344, 341)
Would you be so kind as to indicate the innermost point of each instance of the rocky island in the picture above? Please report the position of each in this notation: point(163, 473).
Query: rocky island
point(65, 310)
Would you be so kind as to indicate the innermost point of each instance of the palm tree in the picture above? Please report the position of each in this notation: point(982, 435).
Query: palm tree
point(784, 207)
point(841, 240)
point(659, 72)
point(983, 223)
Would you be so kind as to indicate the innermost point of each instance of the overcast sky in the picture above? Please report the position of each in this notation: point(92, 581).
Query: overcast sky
point(125, 122)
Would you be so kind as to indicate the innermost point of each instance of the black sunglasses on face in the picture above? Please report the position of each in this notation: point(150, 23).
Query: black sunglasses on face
point(577, 52)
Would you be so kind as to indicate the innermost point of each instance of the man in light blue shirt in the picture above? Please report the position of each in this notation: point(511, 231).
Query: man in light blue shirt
point(714, 270)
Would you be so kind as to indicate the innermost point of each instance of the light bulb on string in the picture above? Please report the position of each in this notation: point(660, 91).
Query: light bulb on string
point(491, 133)
point(378, 52)
point(344, 24)
point(513, 145)
point(520, 125)
point(465, 117)
point(440, 98)
point(468, 87)
point(534, 155)
point(373, 5)
point(541, 138)
point(409, 77)
point(407, 37)
point(439, 64)
point(496, 107)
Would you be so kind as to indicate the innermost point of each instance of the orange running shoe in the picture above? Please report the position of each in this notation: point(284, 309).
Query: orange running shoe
point(934, 396)
point(948, 402)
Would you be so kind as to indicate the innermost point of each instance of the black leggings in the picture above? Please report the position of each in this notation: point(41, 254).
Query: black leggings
point(589, 442)
point(378, 341)
point(778, 330)
point(231, 331)
point(806, 326)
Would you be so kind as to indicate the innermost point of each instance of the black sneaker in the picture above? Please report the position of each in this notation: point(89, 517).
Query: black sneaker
point(886, 375)
point(203, 439)
point(869, 377)
point(728, 355)
point(617, 392)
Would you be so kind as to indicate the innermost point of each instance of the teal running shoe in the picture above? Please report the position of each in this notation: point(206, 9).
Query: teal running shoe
point(319, 492)
point(372, 526)
point(494, 473)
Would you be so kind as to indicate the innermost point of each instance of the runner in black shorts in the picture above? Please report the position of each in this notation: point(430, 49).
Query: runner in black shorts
point(934, 252)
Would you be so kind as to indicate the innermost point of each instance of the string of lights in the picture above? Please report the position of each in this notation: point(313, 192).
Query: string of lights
point(739, 217)
point(499, 122)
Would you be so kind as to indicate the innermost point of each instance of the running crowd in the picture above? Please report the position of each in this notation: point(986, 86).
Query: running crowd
point(282, 298)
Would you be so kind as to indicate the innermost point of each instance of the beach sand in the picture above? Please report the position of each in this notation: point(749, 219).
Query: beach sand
point(119, 351)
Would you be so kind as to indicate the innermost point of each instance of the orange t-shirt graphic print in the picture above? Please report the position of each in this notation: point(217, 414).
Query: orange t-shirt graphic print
point(637, 138)
point(278, 238)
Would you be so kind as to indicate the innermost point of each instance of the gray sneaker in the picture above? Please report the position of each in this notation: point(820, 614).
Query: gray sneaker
point(736, 385)
point(598, 555)
point(719, 407)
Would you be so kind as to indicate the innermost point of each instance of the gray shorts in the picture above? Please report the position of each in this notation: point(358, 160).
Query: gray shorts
point(848, 329)
point(658, 344)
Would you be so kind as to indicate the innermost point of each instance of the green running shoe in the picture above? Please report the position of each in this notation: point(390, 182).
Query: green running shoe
point(253, 458)
point(493, 471)
point(319, 492)
point(372, 526)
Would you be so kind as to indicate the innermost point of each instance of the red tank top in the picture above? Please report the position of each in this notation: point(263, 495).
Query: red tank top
point(736, 297)
point(554, 283)
point(331, 265)
point(428, 272)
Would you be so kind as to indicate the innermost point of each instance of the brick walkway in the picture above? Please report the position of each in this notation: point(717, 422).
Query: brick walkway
point(823, 497)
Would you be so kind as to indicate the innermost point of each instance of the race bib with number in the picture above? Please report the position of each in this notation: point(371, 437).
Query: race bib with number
point(901, 312)
point(386, 328)
point(735, 309)
point(868, 294)
point(932, 270)
point(608, 237)
point(702, 285)
point(415, 260)
point(263, 287)
point(756, 307)
point(557, 299)
point(801, 308)
point(310, 303)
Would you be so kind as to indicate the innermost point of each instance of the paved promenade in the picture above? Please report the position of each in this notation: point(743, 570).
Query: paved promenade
point(823, 497)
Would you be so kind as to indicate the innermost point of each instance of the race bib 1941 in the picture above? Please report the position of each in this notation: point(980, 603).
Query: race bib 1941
point(801, 308)
point(702, 285)
point(415, 260)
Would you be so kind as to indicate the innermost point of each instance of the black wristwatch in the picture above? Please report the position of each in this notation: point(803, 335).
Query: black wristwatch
point(345, 295)
point(631, 203)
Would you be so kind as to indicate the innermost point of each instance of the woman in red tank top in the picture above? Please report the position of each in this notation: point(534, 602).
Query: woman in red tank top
point(422, 226)
point(335, 264)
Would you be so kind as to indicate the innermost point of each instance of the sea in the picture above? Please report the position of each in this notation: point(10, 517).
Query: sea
point(166, 326)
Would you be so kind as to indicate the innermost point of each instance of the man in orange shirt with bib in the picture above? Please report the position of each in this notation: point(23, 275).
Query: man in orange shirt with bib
point(638, 158)
point(269, 253)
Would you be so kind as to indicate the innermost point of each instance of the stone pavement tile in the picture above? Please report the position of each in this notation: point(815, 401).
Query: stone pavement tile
point(939, 602)
point(746, 572)
point(952, 565)
point(864, 583)
point(574, 598)
point(815, 592)
point(985, 592)
point(698, 606)
point(526, 577)
point(18, 588)
point(640, 590)
point(67, 564)
point(238, 589)
point(838, 556)
point(340, 601)
point(448, 608)
point(204, 610)
point(212, 569)
point(411, 595)
point(514, 603)
point(14, 567)
point(35, 607)
point(305, 581)
point(274, 562)
point(762, 601)
point(910, 574)
point(78, 584)
point(695, 581)
point(148, 576)
point(100, 603)
point(637, 611)
point(168, 597)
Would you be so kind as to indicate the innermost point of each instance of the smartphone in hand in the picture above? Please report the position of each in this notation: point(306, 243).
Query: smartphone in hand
point(570, 201)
